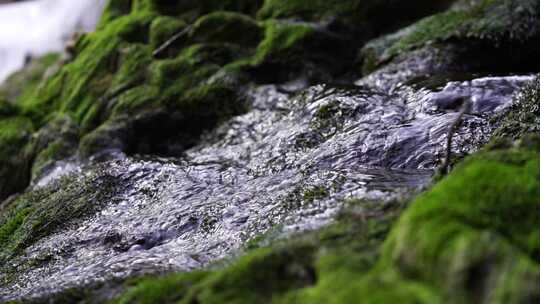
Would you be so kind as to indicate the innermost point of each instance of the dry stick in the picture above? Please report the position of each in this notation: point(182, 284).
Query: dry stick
point(450, 135)
point(171, 40)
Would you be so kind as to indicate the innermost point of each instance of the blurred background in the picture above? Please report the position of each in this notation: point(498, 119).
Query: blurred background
point(33, 28)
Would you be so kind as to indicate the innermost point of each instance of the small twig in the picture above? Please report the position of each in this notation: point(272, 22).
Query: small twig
point(171, 40)
point(450, 135)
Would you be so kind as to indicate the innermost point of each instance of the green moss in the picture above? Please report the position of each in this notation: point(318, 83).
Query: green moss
point(112, 135)
point(41, 212)
point(163, 28)
point(103, 63)
point(132, 100)
point(187, 8)
point(23, 83)
point(280, 40)
point(57, 140)
point(227, 27)
point(471, 236)
point(367, 14)
point(165, 290)
point(193, 66)
point(493, 23)
point(9, 228)
point(313, 10)
point(115, 75)
point(113, 10)
point(293, 49)
point(315, 193)
point(523, 116)
point(15, 158)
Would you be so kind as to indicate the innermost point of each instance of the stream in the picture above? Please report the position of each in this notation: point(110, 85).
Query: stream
point(285, 166)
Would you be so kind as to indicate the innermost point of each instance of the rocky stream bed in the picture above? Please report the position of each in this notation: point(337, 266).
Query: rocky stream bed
point(277, 151)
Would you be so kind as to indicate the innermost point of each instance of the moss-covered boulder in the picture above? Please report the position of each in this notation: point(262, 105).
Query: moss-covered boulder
point(524, 115)
point(41, 212)
point(24, 82)
point(114, 74)
point(15, 155)
point(227, 27)
point(475, 36)
point(56, 141)
point(373, 17)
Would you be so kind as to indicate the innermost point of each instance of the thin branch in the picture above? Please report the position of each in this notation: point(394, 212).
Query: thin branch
point(171, 40)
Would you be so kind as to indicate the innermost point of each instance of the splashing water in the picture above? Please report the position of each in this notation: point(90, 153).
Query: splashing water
point(286, 165)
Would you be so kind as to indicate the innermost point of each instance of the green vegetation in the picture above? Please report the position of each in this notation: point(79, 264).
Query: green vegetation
point(41, 212)
point(227, 27)
point(23, 83)
point(523, 115)
point(15, 132)
point(367, 14)
point(489, 23)
point(280, 40)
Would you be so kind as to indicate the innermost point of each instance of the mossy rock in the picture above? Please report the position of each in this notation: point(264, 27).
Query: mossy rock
point(472, 236)
point(523, 116)
point(114, 77)
point(38, 213)
point(294, 49)
point(58, 140)
point(217, 28)
point(23, 83)
point(484, 30)
point(104, 63)
point(195, 7)
point(373, 16)
point(163, 28)
point(15, 154)
point(227, 27)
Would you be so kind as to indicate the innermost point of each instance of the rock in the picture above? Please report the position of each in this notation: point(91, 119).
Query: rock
point(469, 39)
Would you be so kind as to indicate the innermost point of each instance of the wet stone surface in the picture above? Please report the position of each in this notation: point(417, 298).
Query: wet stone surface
point(286, 165)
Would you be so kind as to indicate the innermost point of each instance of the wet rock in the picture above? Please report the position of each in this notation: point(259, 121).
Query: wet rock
point(56, 141)
point(15, 154)
point(523, 117)
point(469, 39)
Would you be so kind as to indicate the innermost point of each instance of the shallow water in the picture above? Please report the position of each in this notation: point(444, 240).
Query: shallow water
point(285, 166)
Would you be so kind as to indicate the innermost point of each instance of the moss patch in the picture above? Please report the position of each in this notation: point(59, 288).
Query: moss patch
point(23, 83)
point(39, 213)
point(227, 27)
point(15, 157)
point(485, 27)
point(524, 114)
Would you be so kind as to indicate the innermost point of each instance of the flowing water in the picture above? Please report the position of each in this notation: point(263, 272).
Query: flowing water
point(285, 166)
